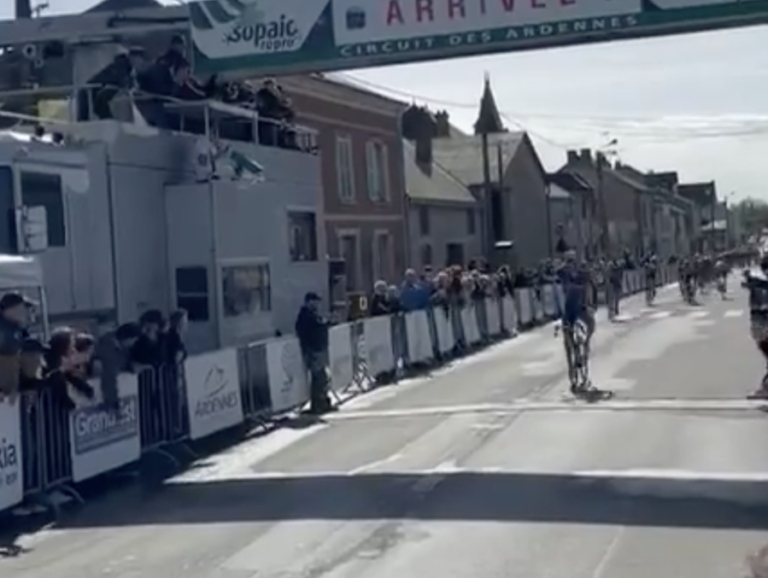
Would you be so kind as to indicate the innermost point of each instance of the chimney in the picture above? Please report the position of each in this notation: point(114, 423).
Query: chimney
point(23, 9)
point(424, 149)
point(442, 124)
point(586, 155)
point(573, 157)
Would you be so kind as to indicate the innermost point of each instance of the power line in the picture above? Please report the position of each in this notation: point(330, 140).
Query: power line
point(734, 128)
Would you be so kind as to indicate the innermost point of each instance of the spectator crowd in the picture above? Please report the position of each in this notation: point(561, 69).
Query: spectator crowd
point(157, 83)
point(64, 364)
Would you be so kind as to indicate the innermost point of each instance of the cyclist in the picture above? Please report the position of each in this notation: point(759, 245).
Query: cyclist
point(651, 268)
point(578, 289)
point(614, 287)
point(757, 285)
point(721, 275)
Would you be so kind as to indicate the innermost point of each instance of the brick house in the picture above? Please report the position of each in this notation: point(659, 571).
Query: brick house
point(362, 169)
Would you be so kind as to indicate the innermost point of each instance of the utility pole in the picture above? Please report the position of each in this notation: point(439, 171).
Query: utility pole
point(487, 194)
point(713, 213)
point(604, 236)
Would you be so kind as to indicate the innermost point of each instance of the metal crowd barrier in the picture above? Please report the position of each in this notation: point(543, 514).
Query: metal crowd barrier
point(50, 444)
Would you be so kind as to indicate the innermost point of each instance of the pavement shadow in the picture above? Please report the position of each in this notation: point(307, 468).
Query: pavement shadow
point(513, 497)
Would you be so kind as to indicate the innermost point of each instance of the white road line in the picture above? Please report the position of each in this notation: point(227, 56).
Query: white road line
point(697, 314)
point(660, 315)
point(732, 313)
point(554, 405)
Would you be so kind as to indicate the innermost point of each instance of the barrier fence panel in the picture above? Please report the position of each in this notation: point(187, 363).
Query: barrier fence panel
point(340, 357)
point(288, 382)
point(163, 400)
point(524, 306)
point(54, 420)
point(104, 439)
point(213, 392)
point(11, 456)
point(254, 380)
point(361, 375)
point(469, 323)
point(379, 345)
point(418, 336)
point(493, 316)
point(509, 314)
point(444, 331)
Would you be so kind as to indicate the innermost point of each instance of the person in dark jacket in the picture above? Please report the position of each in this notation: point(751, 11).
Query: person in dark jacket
point(312, 331)
point(112, 355)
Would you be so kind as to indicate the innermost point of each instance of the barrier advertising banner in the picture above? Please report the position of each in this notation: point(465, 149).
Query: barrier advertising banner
point(213, 392)
point(291, 36)
point(11, 470)
point(106, 440)
point(288, 385)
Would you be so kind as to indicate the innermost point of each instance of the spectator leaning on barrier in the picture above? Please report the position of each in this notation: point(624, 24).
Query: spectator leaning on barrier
point(175, 349)
point(112, 355)
point(414, 295)
point(312, 332)
point(381, 304)
point(14, 318)
point(149, 349)
point(61, 371)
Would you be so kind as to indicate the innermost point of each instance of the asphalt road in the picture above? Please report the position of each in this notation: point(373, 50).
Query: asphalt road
point(486, 468)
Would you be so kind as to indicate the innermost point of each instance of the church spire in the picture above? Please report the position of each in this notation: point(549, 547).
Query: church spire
point(488, 118)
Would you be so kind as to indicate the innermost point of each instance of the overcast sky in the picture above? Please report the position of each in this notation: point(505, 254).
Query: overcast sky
point(697, 104)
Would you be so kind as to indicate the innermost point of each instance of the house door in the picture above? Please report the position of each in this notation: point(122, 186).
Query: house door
point(454, 254)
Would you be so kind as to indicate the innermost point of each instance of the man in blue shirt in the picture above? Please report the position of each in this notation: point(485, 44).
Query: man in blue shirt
point(578, 306)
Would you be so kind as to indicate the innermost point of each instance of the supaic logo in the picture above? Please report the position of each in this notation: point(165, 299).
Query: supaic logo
point(216, 398)
point(246, 23)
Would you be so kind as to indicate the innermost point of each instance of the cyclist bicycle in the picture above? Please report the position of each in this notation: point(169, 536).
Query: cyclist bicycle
point(579, 305)
point(651, 267)
point(757, 285)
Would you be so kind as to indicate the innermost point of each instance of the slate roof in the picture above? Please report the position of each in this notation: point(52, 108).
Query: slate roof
point(462, 156)
point(558, 193)
point(570, 182)
point(433, 183)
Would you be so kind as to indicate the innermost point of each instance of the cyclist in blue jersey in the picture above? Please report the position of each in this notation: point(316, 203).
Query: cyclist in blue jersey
point(578, 305)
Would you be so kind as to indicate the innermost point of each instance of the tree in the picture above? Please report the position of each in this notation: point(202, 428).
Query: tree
point(753, 214)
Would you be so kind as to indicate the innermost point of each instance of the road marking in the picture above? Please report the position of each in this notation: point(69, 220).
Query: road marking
point(373, 465)
point(675, 474)
point(660, 315)
point(434, 477)
point(732, 313)
point(554, 405)
point(697, 314)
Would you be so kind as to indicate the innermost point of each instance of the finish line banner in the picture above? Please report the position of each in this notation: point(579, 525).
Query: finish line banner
point(243, 37)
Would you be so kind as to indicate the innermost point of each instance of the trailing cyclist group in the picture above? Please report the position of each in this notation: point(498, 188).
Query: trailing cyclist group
point(586, 284)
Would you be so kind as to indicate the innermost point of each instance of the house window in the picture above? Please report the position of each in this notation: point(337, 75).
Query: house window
point(376, 170)
point(350, 251)
point(192, 292)
point(382, 256)
point(426, 255)
point(246, 289)
point(471, 222)
point(44, 190)
point(303, 236)
point(424, 220)
point(345, 169)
